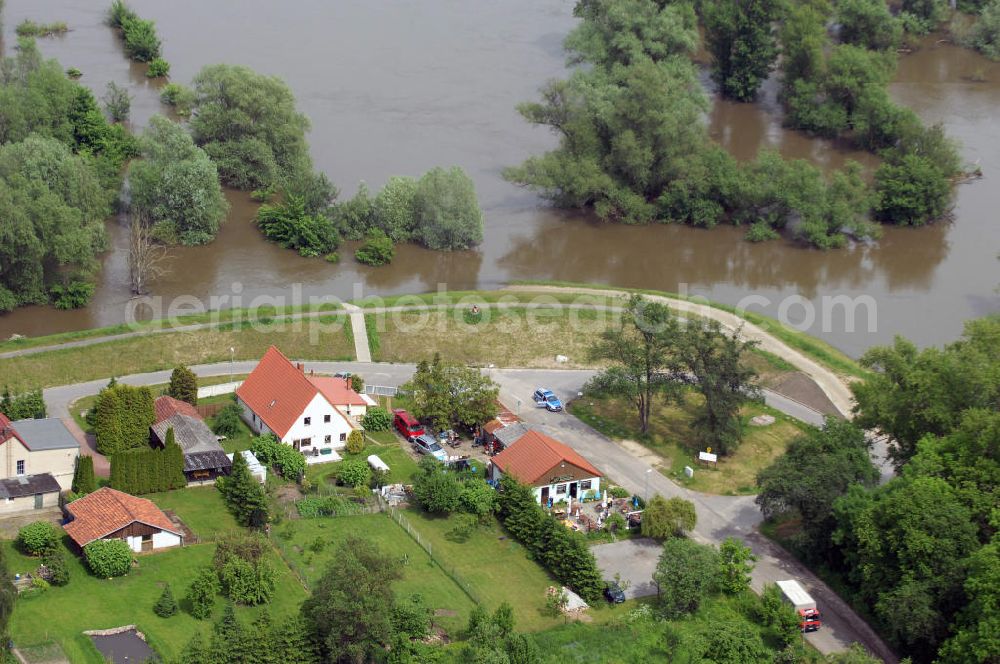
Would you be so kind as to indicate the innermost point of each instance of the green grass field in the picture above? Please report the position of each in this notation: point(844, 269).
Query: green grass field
point(386, 445)
point(310, 544)
point(60, 615)
point(200, 508)
point(670, 438)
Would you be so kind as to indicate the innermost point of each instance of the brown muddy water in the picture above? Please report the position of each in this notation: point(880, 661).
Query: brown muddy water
point(398, 87)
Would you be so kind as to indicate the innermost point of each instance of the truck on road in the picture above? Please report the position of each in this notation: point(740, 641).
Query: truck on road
point(803, 603)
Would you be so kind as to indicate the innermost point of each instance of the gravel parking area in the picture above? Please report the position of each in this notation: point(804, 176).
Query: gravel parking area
point(634, 559)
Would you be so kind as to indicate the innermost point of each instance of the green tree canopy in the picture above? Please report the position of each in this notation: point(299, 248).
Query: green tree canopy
point(450, 395)
point(248, 124)
point(176, 185)
point(685, 574)
point(668, 517)
point(740, 36)
point(183, 385)
point(446, 211)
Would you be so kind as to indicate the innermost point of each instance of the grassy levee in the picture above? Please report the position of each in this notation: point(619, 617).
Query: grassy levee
point(817, 349)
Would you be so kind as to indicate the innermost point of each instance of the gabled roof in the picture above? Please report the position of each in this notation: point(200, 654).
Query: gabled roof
point(167, 406)
point(213, 460)
point(512, 432)
point(28, 485)
point(277, 391)
point(336, 391)
point(107, 510)
point(191, 434)
point(532, 456)
point(45, 434)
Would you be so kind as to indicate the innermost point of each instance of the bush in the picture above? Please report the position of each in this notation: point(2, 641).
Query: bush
point(55, 561)
point(356, 442)
point(166, 605)
point(664, 518)
point(446, 211)
point(201, 593)
point(37, 538)
point(179, 96)
point(28, 28)
point(73, 295)
point(157, 67)
point(292, 226)
point(24, 406)
point(377, 249)
point(912, 190)
point(247, 583)
point(436, 489)
point(354, 472)
point(618, 492)
point(141, 41)
point(985, 34)
point(376, 419)
point(228, 421)
point(288, 461)
point(478, 498)
point(74, 73)
point(108, 558)
point(117, 102)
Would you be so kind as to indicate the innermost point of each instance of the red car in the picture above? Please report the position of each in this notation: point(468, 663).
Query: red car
point(407, 424)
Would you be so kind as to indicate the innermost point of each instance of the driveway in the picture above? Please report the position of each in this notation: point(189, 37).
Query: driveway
point(634, 560)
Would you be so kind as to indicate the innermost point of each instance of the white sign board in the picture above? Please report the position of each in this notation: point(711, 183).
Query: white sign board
point(688, 471)
point(708, 456)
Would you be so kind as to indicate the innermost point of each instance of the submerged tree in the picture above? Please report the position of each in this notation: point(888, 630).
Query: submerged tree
point(741, 38)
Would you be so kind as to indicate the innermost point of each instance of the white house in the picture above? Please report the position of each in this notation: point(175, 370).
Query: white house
point(111, 514)
point(37, 459)
point(314, 414)
point(554, 471)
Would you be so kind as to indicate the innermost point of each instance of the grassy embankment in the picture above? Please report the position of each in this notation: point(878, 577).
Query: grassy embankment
point(670, 439)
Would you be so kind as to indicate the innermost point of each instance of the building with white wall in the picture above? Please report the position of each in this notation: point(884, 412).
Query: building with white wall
point(111, 514)
point(554, 470)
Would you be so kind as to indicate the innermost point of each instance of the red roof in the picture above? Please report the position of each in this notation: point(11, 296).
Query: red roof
point(166, 407)
point(278, 391)
point(107, 510)
point(532, 456)
point(336, 391)
point(7, 431)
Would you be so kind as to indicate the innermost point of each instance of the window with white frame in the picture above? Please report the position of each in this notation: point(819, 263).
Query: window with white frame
point(585, 485)
point(20, 466)
point(561, 489)
point(343, 437)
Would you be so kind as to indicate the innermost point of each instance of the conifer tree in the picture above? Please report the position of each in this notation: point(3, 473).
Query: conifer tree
point(166, 606)
point(83, 476)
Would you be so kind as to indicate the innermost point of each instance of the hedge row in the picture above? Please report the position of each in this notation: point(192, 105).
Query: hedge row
point(563, 552)
point(149, 470)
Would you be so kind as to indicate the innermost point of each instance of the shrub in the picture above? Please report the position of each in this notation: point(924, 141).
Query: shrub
point(446, 211)
point(478, 498)
point(355, 442)
point(354, 472)
point(912, 190)
point(141, 42)
point(292, 226)
point(117, 102)
point(37, 538)
point(24, 406)
point(73, 295)
point(437, 490)
point(201, 593)
point(288, 461)
point(108, 558)
point(74, 73)
point(157, 67)
point(377, 249)
point(179, 96)
point(55, 560)
point(166, 605)
point(228, 421)
point(28, 28)
point(618, 492)
point(664, 518)
point(985, 34)
point(247, 583)
point(376, 419)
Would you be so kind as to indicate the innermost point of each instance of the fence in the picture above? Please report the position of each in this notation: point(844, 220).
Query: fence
point(426, 545)
point(381, 390)
point(209, 409)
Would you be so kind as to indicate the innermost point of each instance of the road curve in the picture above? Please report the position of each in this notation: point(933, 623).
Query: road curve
point(718, 516)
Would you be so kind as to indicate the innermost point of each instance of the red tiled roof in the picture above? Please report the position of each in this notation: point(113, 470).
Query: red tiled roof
point(532, 456)
point(7, 431)
point(335, 391)
point(106, 510)
point(166, 407)
point(277, 391)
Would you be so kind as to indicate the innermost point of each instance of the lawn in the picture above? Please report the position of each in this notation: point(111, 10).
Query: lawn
point(60, 615)
point(309, 544)
point(496, 567)
point(671, 439)
point(387, 445)
point(200, 508)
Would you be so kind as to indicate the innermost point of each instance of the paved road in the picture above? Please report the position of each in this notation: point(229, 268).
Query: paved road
point(718, 516)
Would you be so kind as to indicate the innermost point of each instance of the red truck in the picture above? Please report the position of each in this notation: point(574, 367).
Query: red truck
point(407, 425)
point(803, 603)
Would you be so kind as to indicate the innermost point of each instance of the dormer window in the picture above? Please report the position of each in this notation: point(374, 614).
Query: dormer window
point(307, 421)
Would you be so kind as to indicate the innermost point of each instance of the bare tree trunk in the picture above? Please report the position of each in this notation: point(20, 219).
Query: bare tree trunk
point(145, 256)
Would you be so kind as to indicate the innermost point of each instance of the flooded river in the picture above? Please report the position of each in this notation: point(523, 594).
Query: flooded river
point(396, 87)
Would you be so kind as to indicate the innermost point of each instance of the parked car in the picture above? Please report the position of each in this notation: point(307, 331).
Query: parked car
point(426, 444)
point(406, 424)
point(343, 374)
point(547, 400)
point(614, 593)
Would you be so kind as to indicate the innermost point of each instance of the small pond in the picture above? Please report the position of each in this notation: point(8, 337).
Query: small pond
point(123, 647)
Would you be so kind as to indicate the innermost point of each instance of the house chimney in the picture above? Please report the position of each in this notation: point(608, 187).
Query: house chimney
point(348, 379)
